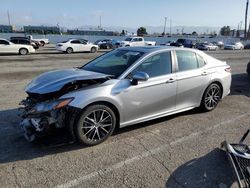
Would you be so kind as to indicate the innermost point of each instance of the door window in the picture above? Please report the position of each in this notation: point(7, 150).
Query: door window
point(186, 60)
point(157, 65)
point(75, 42)
point(4, 42)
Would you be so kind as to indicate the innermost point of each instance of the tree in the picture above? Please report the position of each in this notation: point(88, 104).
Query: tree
point(194, 33)
point(141, 31)
point(225, 31)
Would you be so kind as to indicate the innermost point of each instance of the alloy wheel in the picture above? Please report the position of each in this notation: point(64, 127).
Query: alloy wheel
point(212, 96)
point(97, 125)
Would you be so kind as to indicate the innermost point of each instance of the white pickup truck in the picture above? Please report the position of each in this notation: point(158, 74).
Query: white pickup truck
point(41, 41)
point(136, 41)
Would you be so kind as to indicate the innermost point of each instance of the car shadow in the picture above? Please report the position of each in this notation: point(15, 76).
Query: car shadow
point(210, 170)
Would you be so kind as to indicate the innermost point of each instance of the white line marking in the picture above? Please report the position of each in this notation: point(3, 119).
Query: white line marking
point(78, 181)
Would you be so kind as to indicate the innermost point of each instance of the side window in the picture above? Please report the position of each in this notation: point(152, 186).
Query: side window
point(140, 39)
point(157, 65)
point(200, 60)
point(186, 60)
point(75, 42)
point(4, 42)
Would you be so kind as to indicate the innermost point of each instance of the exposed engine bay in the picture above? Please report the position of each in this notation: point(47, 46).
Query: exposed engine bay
point(42, 112)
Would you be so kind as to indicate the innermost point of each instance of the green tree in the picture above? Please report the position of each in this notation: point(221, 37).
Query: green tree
point(194, 33)
point(141, 31)
point(225, 30)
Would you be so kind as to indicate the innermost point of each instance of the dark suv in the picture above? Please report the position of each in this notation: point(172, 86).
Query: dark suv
point(188, 43)
point(24, 40)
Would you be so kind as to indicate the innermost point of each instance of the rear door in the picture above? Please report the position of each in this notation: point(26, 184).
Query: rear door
point(76, 45)
point(192, 79)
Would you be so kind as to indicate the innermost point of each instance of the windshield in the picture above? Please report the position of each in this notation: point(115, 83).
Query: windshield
point(128, 39)
point(114, 62)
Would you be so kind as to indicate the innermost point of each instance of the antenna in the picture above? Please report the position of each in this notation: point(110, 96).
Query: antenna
point(8, 16)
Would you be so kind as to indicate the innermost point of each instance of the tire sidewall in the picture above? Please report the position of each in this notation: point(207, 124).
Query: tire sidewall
point(22, 50)
point(78, 125)
point(93, 50)
point(203, 104)
point(69, 50)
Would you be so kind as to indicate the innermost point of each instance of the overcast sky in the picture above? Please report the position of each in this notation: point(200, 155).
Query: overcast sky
point(128, 13)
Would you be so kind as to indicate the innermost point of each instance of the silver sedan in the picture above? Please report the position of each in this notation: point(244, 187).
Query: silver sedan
point(121, 88)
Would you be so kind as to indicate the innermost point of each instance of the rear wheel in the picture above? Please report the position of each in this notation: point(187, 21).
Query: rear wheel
point(95, 124)
point(42, 43)
point(211, 97)
point(23, 51)
point(69, 50)
point(93, 50)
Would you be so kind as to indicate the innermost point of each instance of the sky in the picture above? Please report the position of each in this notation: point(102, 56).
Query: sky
point(125, 13)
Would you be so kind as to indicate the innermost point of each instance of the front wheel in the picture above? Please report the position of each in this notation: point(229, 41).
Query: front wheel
point(95, 124)
point(93, 50)
point(211, 97)
point(23, 51)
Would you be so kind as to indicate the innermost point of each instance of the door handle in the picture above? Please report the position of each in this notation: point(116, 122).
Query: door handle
point(171, 80)
point(204, 73)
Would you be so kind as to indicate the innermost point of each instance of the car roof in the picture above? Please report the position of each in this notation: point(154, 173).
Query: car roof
point(149, 49)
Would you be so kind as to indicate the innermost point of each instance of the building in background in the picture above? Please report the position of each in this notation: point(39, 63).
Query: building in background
point(41, 29)
point(6, 29)
point(90, 32)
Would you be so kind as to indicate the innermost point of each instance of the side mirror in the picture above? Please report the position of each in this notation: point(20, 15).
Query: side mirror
point(139, 76)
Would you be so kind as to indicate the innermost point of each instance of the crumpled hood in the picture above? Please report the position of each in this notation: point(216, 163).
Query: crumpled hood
point(54, 80)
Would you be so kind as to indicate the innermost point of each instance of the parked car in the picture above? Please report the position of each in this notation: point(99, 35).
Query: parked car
point(123, 87)
point(24, 40)
point(234, 46)
point(247, 46)
point(136, 41)
point(187, 43)
point(42, 41)
point(105, 44)
point(207, 46)
point(248, 69)
point(168, 43)
point(7, 47)
point(220, 44)
point(76, 45)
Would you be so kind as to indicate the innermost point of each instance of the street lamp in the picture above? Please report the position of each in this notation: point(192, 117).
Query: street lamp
point(245, 32)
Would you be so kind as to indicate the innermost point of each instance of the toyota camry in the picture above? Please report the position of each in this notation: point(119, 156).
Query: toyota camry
point(120, 88)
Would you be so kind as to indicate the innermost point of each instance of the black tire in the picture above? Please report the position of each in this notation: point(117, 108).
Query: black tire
point(69, 50)
point(93, 50)
point(42, 43)
point(95, 124)
point(211, 97)
point(23, 51)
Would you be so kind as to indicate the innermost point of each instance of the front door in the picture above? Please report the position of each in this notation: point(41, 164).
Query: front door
point(155, 96)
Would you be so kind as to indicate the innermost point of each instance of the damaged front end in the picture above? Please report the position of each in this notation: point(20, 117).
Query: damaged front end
point(45, 107)
point(39, 117)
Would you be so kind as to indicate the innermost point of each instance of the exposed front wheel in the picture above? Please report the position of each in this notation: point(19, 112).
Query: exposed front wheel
point(211, 97)
point(95, 124)
point(69, 50)
point(23, 51)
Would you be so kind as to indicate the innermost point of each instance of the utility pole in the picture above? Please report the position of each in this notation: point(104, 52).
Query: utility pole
point(165, 26)
point(245, 32)
point(8, 14)
point(170, 28)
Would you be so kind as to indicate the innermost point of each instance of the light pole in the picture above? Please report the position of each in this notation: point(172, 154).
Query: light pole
point(165, 26)
point(245, 32)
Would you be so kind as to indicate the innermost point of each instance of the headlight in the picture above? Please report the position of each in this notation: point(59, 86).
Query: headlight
point(51, 105)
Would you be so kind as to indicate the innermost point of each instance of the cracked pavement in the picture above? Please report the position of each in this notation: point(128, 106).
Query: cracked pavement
point(177, 151)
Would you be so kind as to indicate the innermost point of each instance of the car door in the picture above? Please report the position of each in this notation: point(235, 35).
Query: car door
point(192, 79)
point(84, 47)
point(156, 95)
point(6, 47)
point(76, 45)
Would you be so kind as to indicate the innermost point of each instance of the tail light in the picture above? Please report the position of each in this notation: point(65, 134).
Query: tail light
point(228, 69)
